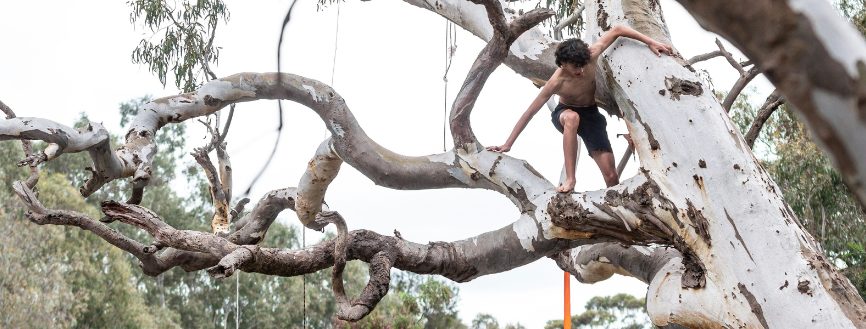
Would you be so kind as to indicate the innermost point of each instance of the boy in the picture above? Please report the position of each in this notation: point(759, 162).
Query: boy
point(577, 114)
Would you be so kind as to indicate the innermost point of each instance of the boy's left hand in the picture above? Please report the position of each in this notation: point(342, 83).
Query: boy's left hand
point(658, 48)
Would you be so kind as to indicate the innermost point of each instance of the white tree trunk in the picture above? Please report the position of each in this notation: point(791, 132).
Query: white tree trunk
point(816, 58)
point(761, 268)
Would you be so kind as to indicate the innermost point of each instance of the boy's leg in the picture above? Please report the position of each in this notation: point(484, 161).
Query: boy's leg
point(570, 121)
point(605, 162)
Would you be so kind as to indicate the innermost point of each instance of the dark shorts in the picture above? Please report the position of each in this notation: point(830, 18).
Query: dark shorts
point(592, 128)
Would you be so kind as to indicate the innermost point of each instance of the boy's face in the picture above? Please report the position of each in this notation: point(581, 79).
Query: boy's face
point(572, 69)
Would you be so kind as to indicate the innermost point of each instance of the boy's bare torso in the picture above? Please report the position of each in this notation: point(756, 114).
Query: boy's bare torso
point(578, 90)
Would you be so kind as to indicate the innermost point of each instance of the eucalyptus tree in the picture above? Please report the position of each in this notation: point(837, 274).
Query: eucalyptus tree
point(702, 222)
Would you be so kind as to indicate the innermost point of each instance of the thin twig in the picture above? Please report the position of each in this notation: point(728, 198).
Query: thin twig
point(730, 57)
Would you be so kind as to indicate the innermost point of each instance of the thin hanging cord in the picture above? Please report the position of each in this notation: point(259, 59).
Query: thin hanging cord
point(336, 38)
point(237, 300)
point(334, 62)
point(304, 277)
point(279, 103)
point(450, 48)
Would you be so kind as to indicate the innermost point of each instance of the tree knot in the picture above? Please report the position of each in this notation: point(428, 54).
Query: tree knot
point(566, 213)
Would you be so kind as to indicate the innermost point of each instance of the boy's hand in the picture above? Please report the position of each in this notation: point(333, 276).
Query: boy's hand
point(658, 48)
point(503, 148)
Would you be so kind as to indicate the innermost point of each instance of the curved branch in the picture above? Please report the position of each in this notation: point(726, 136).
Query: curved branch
point(770, 105)
point(63, 139)
point(377, 285)
point(487, 61)
point(738, 87)
point(598, 262)
point(321, 171)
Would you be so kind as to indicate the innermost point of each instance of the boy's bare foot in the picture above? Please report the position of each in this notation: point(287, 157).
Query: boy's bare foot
point(566, 187)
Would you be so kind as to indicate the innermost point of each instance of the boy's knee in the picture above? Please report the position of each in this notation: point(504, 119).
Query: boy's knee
point(611, 178)
point(569, 119)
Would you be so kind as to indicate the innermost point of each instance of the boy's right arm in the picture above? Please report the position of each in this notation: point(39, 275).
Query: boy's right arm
point(546, 92)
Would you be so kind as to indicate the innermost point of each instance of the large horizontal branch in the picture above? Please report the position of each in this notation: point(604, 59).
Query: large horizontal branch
point(635, 211)
point(461, 261)
point(350, 142)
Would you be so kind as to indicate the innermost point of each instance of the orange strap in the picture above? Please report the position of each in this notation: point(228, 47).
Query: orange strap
point(566, 322)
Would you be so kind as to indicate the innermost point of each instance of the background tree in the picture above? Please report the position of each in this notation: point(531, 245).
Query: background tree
point(617, 311)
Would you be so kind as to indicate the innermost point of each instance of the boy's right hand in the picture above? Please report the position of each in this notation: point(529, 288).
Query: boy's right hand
point(503, 148)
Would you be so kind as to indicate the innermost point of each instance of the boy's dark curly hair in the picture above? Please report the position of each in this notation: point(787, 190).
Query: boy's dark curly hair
point(573, 51)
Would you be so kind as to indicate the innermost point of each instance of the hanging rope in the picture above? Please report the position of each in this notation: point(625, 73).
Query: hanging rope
point(450, 49)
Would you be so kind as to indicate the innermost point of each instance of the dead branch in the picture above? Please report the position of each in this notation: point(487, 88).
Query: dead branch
point(738, 87)
point(770, 105)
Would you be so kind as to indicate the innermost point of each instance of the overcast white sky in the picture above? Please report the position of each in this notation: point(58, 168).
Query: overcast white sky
point(60, 58)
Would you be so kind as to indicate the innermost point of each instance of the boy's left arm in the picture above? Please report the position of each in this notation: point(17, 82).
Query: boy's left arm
point(610, 36)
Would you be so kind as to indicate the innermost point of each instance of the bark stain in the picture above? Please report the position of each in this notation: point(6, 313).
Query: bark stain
point(602, 17)
point(740, 238)
point(693, 273)
point(495, 164)
point(520, 194)
point(753, 303)
point(212, 101)
point(699, 180)
point(804, 287)
point(700, 222)
point(679, 87)
point(702, 163)
point(654, 144)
